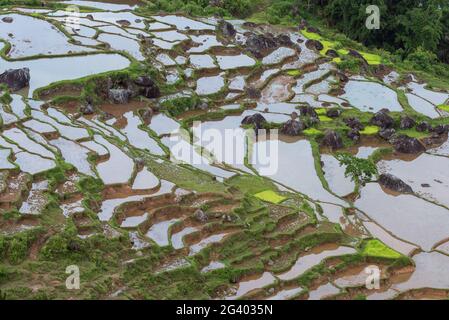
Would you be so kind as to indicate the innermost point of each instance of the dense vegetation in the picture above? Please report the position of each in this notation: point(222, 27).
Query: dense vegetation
point(414, 31)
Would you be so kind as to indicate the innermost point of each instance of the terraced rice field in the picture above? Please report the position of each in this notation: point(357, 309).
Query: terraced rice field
point(90, 174)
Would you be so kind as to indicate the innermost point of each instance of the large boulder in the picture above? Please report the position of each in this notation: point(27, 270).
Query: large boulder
point(226, 29)
point(7, 19)
point(16, 79)
point(333, 113)
point(354, 123)
point(87, 108)
point(314, 45)
point(307, 111)
point(292, 127)
point(201, 216)
point(354, 135)
point(256, 120)
point(382, 119)
point(440, 129)
point(423, 127)
point(119, 96)
point(387, 133)
point(406, 144)
point(407, 123)
point(262, 44)
point(147, 87)
point(393, 183)
point(332, 140)
point(259, 45)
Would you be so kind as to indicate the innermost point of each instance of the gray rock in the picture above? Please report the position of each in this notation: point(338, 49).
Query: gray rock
point(354, 123)
point(407, 123)
point(16, 79)
point(392, 182)
point(201, 216)
point(440, 129)
point(332, 140)
point(226, 29)
point(333, 113)
point(147, 87)
point(7, 19)
point(292, 128)
point(262, 44)
point(256, 119)
point(314, 45)
point(406, 144)
point(387, 133)
point(119, 96)
point(88, 108)
point(307, 111)
point(423, 127)
point(124, 23)
point(382, 119)
point(354, 135)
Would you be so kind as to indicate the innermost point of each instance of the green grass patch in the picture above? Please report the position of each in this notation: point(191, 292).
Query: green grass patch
point(321, 111)
point(343, 52)
point(444, 107)
point(370, 130)
point(311, 35)
point(294, 73)
point(413, 133)
point(324, 118)
point(376, 248)
point(337, 60)
point(372, 59)
point(270, 196)
point(312, 132)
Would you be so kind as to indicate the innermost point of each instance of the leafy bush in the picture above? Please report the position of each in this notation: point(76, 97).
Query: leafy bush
point(359, 170)
point(422, 59)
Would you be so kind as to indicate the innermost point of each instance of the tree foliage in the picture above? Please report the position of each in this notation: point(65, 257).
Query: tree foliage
point(359, 170)
point(405, 24)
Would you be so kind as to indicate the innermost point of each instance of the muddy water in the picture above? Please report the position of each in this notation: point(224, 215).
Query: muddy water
point(109, 5)
point(427, 175)
point(32, 36)
point(394, 243)
point(118, 168)
point(323, 291)
point(194, 249)
point(431, 272)
point(286, 294)
point(48, 70)
point(309, 260)
point(405, 216)
point(209, 85)
point(252, 284)
point(423, 106)
point(159, 232)
point(177, 238)
point(74, 154)
point(335, 176)
point(295, 168)
point(370, 96)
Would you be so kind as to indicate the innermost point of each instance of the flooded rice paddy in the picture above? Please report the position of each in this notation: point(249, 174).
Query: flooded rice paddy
point(117, 172)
